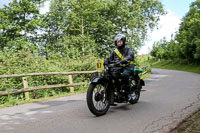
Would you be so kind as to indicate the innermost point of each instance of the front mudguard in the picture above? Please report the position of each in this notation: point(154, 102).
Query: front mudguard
point(98, 80)
point(109, 88)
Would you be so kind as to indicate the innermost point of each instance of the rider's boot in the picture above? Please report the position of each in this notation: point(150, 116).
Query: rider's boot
point(113, 104)
point(129, 97)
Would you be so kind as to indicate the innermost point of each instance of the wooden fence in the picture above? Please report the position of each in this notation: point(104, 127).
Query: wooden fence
point(26, 88)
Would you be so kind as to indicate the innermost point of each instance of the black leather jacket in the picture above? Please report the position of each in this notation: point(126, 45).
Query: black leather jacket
point(126, 51)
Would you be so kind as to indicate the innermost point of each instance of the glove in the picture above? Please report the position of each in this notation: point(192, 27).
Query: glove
point(105, 63)
point(123, 61)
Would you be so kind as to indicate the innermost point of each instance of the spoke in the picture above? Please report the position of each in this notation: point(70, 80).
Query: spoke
point(97, 106)
point(98, 93)
point(100, 107)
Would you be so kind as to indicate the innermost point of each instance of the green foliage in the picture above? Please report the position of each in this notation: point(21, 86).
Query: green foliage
point(102, 20)
point(144, 61)
point(96, 21)
point(189, 33)
point(161, 49)
point(25, 62)
point(76, 46)
point(19, 24)
point(175, 65)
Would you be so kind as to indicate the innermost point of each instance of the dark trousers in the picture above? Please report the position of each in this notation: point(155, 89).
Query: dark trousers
point(125, 76)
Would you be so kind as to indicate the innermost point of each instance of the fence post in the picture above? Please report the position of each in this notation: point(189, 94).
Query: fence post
point(25, 82)
point(71, 82)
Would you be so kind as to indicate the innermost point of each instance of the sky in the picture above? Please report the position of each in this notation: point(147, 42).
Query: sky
point(168, 24)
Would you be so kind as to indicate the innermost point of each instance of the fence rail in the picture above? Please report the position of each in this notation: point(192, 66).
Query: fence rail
point(26, 88)
point(38, 88)
point(46, 73)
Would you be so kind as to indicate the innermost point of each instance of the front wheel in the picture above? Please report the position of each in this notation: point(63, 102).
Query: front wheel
point(97, 99)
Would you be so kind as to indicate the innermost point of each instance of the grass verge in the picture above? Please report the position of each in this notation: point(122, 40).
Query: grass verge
point(190, 125)
point(176, 66)
point(18, 102)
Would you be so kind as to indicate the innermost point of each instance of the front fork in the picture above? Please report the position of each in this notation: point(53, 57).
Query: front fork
point(110, 89)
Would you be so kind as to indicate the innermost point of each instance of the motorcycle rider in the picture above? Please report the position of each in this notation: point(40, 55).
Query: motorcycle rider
point(123, 55)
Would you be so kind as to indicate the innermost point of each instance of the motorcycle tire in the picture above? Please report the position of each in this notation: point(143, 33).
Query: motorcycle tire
point(136, 93)
point(97, 99)
point(135, 98)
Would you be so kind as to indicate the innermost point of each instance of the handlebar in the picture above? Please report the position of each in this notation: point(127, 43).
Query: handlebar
point(116, 64)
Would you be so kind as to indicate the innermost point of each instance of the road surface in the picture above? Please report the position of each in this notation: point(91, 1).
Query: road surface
point(170, 97)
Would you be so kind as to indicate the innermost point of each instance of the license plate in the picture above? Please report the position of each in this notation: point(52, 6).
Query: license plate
point(99, 65)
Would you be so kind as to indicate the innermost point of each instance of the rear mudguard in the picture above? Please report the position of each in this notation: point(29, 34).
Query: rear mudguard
point(142, 82)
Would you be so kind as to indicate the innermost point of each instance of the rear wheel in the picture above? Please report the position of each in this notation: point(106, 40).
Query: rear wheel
point(135, 91)
point(135, 97)
point(97, 99)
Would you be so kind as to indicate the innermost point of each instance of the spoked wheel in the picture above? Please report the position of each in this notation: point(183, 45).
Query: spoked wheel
point(97, 99)
point(135, 91)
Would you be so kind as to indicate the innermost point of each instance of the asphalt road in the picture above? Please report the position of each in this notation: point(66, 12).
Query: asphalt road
point(170, 96)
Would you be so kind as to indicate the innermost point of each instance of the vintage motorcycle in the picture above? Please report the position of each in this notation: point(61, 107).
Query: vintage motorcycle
point(107, 89)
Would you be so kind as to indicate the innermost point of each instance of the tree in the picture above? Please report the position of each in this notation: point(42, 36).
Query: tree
point(189, 34)
point(160, 49)
point(103, 19)
point(19, 25)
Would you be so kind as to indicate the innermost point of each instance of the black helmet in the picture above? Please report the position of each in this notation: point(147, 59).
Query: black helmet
point(120, 37)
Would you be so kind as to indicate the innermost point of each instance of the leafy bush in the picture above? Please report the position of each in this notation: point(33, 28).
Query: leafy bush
point(25, 62)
